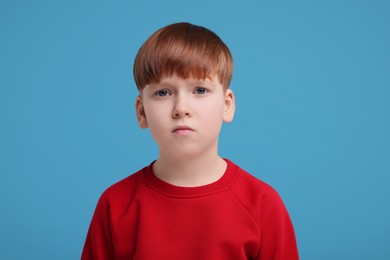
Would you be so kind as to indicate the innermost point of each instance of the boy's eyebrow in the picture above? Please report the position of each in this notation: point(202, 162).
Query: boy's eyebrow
point(160, 84)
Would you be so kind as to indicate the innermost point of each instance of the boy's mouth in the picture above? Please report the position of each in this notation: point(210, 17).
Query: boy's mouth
point(182, 130)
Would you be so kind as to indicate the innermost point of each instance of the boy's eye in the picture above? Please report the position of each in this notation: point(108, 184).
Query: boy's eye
point(200, 91)
point(162, 93)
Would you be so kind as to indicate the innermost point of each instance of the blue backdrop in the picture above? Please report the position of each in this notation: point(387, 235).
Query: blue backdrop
point(312, 85)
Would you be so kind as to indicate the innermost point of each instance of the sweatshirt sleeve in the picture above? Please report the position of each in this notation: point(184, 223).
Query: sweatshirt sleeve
point(98, 245)
point(277, 233)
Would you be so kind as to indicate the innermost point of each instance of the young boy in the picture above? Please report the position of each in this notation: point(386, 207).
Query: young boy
point(189, 203)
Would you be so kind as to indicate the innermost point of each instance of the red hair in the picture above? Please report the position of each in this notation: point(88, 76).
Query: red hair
point(186, 50)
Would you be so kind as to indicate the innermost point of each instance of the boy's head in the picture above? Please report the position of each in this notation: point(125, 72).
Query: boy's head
point(186, 50)
point(183, 73)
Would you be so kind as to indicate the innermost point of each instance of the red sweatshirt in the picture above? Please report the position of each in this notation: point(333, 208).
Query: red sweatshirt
point(236, 217)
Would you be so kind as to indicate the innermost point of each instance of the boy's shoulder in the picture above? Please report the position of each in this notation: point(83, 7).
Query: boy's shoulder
point(247, 182)
point(256, 195)
point(123, 188)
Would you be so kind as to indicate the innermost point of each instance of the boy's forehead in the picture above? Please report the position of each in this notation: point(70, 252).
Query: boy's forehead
point(190, 79)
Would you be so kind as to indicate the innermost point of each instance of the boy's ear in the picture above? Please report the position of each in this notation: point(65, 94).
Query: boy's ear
point(140, 111)
point(230, 106)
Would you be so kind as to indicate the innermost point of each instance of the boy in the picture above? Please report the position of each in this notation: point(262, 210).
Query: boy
point(189, 203)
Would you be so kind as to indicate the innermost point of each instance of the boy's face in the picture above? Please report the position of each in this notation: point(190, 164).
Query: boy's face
point(185, 115)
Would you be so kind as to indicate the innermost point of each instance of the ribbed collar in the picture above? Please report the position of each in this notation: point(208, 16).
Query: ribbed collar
point(170, 190)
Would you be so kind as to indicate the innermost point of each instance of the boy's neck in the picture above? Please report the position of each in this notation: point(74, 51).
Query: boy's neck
point(192, 172)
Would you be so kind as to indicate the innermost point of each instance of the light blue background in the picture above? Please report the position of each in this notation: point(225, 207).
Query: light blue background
point(312, 85)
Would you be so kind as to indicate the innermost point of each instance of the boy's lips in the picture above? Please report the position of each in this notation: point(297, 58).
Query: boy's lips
point(182, 129)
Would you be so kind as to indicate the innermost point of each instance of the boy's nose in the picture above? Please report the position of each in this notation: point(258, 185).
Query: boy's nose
point(181, 108)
